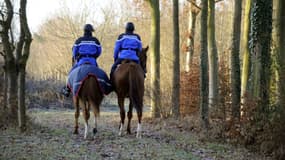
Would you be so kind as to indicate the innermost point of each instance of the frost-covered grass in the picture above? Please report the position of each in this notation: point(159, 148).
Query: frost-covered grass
point(50, 137)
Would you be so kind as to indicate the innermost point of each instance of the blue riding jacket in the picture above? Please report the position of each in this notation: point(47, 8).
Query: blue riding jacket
point(127, 46)
point(86, 49)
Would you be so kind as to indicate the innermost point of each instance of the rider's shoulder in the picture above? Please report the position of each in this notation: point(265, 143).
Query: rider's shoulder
point(128, 35)
point(96, 40)
point(121, 36)
point(138, 36)
point(88, 38)
point(78, 40)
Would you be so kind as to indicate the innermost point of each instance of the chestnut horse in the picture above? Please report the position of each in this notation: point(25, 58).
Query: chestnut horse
point(128, 80)
point(89, 96)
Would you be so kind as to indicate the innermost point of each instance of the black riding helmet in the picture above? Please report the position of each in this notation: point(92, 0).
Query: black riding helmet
point(130, 27)
point(88, 28)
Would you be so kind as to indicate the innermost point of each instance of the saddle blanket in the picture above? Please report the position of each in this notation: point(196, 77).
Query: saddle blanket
point(79, 74)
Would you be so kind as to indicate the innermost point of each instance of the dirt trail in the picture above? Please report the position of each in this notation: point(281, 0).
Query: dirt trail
point(51, 138)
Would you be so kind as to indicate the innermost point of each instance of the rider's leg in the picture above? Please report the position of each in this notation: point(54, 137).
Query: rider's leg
point(114, 66)
point(66, 90)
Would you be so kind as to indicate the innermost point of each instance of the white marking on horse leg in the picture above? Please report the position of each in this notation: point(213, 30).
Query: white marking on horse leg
point(121, 129)
point(86, 130)
point(139, 130)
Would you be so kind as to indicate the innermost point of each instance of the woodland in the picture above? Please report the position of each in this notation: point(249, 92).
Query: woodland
point(214, 87)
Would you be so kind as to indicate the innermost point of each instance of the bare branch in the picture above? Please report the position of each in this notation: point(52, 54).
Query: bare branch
point(25, 35)
point(2, 54)
point(198, 7)
point(194, 4)
point(217, 1)
point(6, 25)
point(9, 12)
point(3, 11)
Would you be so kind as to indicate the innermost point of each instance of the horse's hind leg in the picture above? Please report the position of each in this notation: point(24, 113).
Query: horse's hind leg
point(130, 115)
point(86, 115)
point(139, 129)
point(96, 114)
point(122, 114)
point(76, 105)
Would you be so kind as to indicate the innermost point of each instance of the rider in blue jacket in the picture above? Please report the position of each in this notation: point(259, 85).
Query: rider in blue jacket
point(85, 50)
point(127, 46)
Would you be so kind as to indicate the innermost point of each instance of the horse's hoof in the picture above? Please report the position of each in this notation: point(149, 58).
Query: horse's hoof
point(75, 132)
point(95, 131)
point(129, 132)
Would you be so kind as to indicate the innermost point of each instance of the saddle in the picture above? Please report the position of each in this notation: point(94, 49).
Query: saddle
point(127, 61)
point(124, 62)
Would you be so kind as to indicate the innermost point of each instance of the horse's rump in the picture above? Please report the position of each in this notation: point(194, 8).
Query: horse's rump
point(136, 89)
point(90, 92)
point(129, 81)
point(79, 74)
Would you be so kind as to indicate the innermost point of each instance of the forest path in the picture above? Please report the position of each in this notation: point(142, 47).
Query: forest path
point(51, 138)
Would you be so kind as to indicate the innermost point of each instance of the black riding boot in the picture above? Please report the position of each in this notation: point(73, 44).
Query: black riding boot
point(144, 70)
point(65, 91)
point(112, 72)
point(114, 66)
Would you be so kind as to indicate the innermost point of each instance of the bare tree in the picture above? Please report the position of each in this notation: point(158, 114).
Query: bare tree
point(204, 88)
point(281, 53)
point(260, 43)
point(176, 64)
point(245, 47)
point(16, 59)
point(280, 48)
point(155, 58)
point(194, 10)
point(212, 56)
point(23, 51)
point(235, 62)
point(10, 60)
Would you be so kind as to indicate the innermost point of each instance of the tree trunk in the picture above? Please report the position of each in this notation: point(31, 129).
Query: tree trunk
point(15, 60)
point(235, 62)
point(21, 100)
point(281, 53)
point(23, 54)
point(176, 64)
point(155, 59)
point(12, 100)
point(204, 88)
point(5, 88)
point(213, 56)
point(275, 51)
point(246, 56)
point(254, 77)
point(261, 29)
point(191, 36)
point(279, 118)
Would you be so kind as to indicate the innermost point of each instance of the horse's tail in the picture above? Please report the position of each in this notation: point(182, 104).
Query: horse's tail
point(93, 93)
point(136, 86)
